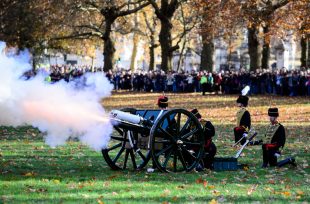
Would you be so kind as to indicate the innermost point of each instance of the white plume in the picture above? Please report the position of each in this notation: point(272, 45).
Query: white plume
point(245, 90)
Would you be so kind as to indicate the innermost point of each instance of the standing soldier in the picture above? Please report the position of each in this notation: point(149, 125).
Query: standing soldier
point(274, 139)
point(243, 119)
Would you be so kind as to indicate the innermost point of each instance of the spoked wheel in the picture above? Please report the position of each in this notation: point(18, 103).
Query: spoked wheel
point(122, 151)
point(177, 141)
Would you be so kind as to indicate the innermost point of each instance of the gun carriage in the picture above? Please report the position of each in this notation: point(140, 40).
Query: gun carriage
point(172, 139)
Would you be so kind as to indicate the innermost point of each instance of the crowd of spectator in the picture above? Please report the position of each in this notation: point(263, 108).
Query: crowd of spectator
point(278, 82)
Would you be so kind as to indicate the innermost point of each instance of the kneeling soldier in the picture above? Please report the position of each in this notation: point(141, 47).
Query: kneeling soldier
point(274, 139)
point(209, 146)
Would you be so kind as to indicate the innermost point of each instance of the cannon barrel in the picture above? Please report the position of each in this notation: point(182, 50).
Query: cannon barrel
point(130, 121)
point(126, 117)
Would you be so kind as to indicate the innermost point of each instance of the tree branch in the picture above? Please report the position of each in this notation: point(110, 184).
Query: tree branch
point(280, 4)
point(92, 27)
point(130, 11)
point(77, 36)
point(158, 13)
point(130, 3)
point(92, 7)
point(174, 4)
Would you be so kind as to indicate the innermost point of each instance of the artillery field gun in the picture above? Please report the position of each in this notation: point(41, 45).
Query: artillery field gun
point(173, 139)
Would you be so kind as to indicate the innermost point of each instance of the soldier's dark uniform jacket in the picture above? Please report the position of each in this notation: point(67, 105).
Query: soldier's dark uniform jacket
point(243, 124)
point(209, 146)
point(274, 139)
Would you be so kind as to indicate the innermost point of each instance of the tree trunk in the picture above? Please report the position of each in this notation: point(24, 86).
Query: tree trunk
point(165, 41)
point(152, 57)
point(303, 56)
point(253, 48)
point(134, 52)
point(109, 49)
point(207, 54)
point(34, 63)
point(229, 56)
point(181, 55)
point(266, 48)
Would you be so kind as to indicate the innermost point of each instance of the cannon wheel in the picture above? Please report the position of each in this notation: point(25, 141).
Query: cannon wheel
point(119, 149)
point(177, 141)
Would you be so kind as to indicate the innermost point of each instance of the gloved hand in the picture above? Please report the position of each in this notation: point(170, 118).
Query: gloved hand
point(245, 135)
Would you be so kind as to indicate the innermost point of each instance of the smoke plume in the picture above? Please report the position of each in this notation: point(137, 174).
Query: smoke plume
point(61, 110)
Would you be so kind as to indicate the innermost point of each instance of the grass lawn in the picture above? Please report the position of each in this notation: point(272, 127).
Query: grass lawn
point(32, 172)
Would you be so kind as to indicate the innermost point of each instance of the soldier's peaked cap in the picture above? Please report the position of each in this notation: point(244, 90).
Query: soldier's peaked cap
point(162, 101)
point(274, 112)
point(196, 113)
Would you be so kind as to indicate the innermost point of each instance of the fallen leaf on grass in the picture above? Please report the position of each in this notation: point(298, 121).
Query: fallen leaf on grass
point(252, 189)
point(286, 193)
point(29, 174)
point(72, 186)
point(300, 193)
point(224, 181)
point(41, 190)
point(85, 195)
point(211, 187)
point(100, 201)
point(271, 181)
point(175, 198)
point(200, 180)
point(269, 189)
point(180, 187)
point(165, 193)
point(111, 177)
point(216, 192)
point(32, 189)
point(204, 182)
point(56, 181)
point(81, 186)
point(213, 201)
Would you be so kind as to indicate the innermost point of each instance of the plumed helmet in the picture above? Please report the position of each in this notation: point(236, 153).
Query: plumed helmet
point(243, 100)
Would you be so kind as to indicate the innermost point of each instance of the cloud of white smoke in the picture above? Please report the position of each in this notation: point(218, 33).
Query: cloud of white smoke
point(61, 110)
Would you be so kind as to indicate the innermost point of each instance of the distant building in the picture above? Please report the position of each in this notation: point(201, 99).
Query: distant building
point(283, 53)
